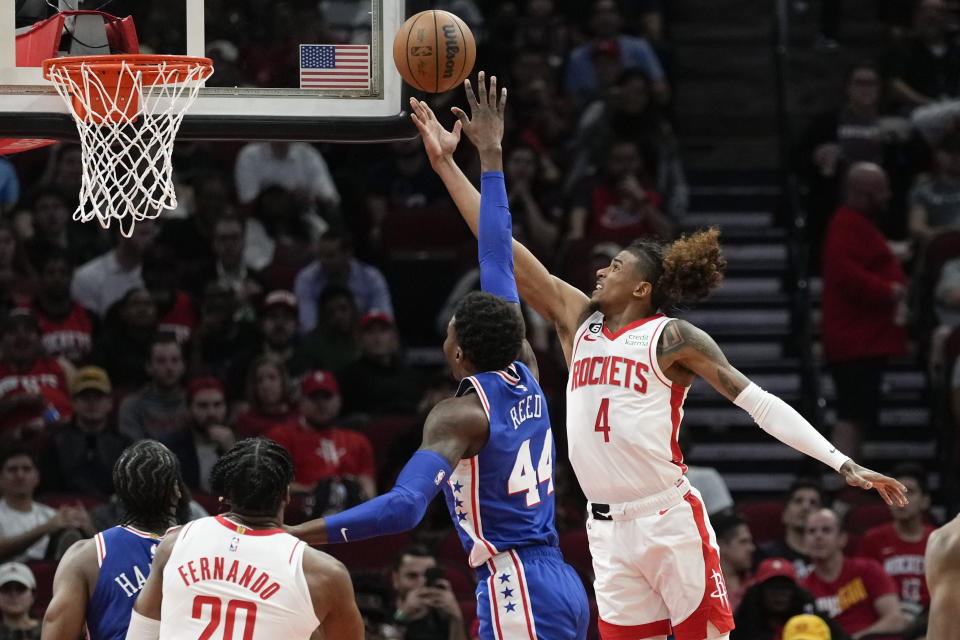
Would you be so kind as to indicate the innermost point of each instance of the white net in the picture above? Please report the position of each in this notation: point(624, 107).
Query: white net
point(127, 112)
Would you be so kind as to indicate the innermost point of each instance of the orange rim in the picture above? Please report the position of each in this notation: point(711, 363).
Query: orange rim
point(147, 64)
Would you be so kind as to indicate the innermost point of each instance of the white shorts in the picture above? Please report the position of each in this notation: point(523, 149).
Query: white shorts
point(657, 568)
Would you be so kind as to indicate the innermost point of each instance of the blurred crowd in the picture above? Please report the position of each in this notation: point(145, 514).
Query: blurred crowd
point(300, 291)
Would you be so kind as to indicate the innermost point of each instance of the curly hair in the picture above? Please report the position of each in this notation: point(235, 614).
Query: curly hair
point(683, 272)
point(489, 331)
point(253, 476)
point(143, 477)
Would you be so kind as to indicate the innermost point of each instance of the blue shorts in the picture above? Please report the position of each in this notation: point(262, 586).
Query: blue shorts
point(529, 594)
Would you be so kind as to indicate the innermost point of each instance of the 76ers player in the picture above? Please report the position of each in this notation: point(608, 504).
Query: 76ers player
point(491, 448)
point(654, 553)
point(239, 575)
point(98, 580)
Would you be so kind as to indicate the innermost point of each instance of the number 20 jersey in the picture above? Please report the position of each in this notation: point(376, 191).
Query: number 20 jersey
point(502, 498)
point(623, 413)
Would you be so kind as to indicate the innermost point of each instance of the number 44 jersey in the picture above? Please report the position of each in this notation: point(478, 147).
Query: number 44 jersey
point(223, 580)
point(502, 498)
point(623, 413)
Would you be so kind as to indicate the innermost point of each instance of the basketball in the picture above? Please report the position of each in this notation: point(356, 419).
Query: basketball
point(434, 51)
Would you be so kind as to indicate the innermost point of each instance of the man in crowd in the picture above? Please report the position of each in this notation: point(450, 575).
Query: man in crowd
point(736, 553)
point(425, 603)
point(804, 497)
point(856, 592)
point(158, 410)
point(319, 448)
point(79, 456)
point(899, 546)
point(27, 528)
point(64, 324)
point(207, 437)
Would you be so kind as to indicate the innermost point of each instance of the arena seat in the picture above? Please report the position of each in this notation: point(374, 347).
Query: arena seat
point(57, 500)
point(866, 516)
point(576, 551)
point(763, 518)
point(451, 550)
point(210, 503)
point(43, 572)
point(461, 580)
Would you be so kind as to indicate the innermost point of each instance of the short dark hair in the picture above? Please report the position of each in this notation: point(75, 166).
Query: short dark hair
point(725, 523)
point(335, 291)
point(143, 477)
point(51, 253)
point(253, 476)
point(806, 482)
point(489, 330)
point(163, 337)
point(415, 550)
point(912, 470)
point(15, 449)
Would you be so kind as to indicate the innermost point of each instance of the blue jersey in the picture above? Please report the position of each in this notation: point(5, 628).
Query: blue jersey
point(124, 555)
point(502, 498)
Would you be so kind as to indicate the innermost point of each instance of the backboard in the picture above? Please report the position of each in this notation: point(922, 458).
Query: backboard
point(273, 79)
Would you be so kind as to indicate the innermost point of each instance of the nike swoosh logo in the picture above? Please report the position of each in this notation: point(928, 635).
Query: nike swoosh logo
point(834, 450)
point(343, 532)
point(589, 338)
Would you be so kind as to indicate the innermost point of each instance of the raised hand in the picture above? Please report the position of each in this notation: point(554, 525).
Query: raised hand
point(484, 127)
point(889, 489)
point(437, 141)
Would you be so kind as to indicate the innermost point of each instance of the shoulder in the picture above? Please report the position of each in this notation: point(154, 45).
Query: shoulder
point(43, 509)
point(464, 408)
point(325, 574)
point(943, 546)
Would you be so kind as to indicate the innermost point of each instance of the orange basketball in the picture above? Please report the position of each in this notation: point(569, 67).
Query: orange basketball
point(434, 51)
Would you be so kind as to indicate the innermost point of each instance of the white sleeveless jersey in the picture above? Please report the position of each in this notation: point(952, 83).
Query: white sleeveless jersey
point(623, 414)
point(223, 580)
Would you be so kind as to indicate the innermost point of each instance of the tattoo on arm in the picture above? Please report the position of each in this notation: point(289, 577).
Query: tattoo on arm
point(728, 383)
point(671, 340)
point(680, 338)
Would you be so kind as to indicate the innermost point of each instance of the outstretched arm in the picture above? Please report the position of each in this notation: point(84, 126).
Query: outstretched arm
point(455, 428)
point(690, 349)
point(551, 297)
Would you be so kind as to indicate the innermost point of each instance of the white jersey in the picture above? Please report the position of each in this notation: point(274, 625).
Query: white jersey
point(223, 580)
point(623, 413)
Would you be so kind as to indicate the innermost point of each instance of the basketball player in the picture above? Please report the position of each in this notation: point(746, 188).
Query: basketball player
point(241, 570)
point(98, 580)
point(942, 564)
point(654, 553)
point(491, 448)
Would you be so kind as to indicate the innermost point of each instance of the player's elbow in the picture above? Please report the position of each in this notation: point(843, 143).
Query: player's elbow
point(403, 512)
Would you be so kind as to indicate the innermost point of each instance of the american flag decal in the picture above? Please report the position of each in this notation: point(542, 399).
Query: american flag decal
point(334, 66)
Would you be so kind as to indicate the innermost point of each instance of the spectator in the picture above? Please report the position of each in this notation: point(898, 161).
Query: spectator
point(373, 595)
point(803, 498)
point(159, 409)
point(334, 341)
point(335, 264)
point(79, 456)
point(221, 334)
point(926, 67)
point(864, 307)
point(228, 266)
point(16, 272)
point(30, 530)
point(65, 326)
point(176, 311)
point(736, 553)
point(269, 394)
point(856, 592)
point(207, 437)
point(628, 112)
point(618, 203)
point(51, 227)
point(425, 603)
point(935, 198)
point(380, 382)
point(279, 238)
point(279, 326)
point(581, 78)
point(533, 199)
point(296, 166)
point(319, 448)
point(18, 591)
point(771, 600)
point(105, 279)
point(33, 387)
point(900, 545)
point(123, 345)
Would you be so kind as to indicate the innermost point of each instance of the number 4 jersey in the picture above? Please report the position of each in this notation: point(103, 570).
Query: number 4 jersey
point(623, 413)
point(223, 580)
point(502, 498)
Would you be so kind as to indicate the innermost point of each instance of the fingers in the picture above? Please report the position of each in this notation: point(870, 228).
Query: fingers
point(492, 94)
point(482, 89)
point(471, 96)
point(462, 118)
point(503, 100)
point(457, 126)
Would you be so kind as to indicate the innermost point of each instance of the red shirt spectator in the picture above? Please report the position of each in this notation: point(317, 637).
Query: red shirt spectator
point(29, 382)
point(181, 319)
point(64, 324)
point(319, 449)
point(902, 560)
point(268, 398)
point(860, 279)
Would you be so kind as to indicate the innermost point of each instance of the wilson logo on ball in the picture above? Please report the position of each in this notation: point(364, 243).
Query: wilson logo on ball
point(450, 33)
point(434, 51)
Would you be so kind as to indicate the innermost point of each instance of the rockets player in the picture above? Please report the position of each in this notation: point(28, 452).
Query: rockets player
point(654, 553)
point(491, 450)
point(98, 580)
point(240, 570)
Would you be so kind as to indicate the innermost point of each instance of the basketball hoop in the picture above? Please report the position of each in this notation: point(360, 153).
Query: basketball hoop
point(128, 109)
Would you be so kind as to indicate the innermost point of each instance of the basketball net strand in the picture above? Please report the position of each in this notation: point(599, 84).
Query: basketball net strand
point(127, 154)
